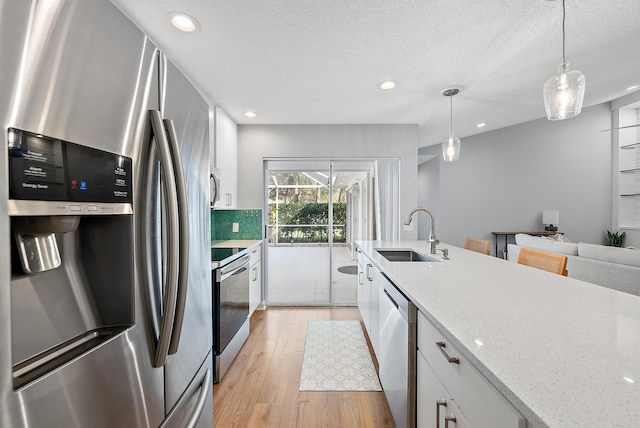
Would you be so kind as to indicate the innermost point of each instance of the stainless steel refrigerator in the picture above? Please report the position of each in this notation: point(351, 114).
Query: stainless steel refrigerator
point(105, 282)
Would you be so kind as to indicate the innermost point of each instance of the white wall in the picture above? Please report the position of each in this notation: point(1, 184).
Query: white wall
point(256, 142)
point(505, 178)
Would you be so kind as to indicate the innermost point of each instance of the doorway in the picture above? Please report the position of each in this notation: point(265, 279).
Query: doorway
point(315, 211)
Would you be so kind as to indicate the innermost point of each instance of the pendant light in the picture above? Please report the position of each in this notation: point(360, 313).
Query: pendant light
point(564, 92)
point(451, 146)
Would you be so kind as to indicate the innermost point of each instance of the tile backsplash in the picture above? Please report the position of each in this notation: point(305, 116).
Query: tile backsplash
point(248, 224)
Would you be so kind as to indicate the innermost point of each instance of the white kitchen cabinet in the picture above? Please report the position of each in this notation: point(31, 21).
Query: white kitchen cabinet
point(364, 293)
point(375, 285)
point(224, 157)
point(466, 390)
point(255, 278)
point(435, 406)
point(369, 298)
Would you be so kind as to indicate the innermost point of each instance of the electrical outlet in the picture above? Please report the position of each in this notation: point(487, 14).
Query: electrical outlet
point(236, 227)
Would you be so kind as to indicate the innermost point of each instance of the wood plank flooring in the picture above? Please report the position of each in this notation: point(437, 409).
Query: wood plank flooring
point(260, 389)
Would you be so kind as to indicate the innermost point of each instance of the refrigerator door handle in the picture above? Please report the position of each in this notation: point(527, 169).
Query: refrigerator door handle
point(183, 242)
point(202, 398)
point(172, 235)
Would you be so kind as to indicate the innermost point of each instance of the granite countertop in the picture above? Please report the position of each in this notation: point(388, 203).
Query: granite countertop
point(564, 352)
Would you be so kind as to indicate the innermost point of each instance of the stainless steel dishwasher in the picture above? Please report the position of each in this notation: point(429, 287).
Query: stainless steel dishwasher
point(397, 362)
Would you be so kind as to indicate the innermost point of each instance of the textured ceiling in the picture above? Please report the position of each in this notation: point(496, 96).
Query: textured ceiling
point(320, 61)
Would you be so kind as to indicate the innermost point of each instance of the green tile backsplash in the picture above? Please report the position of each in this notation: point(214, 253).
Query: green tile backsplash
point(249, 224)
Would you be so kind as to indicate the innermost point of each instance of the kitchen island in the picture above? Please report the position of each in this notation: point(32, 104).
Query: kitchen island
point(563, 352)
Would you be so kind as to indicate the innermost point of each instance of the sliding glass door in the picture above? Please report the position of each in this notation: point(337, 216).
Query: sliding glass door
point(298, 253)
point(316, 210)
point(352, 220)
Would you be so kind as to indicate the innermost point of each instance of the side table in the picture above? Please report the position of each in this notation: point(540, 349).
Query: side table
point(507, 234)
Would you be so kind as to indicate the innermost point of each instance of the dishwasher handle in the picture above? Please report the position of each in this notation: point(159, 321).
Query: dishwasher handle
point(405, 306)
point(390, 298)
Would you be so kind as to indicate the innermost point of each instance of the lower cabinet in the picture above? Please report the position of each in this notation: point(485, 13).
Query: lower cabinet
point(255, 278)
point(364, 292)
point(435, 407)
point(369, 278)
point(449, 387)
point(374, 308)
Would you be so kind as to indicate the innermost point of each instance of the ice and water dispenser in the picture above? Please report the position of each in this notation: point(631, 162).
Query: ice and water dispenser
point(72, 280)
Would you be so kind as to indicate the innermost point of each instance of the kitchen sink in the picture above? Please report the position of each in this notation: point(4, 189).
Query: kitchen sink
point(403, 255)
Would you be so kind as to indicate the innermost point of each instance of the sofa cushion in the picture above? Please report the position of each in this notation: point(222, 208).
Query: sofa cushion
point(547, 244)
point(616, 276)
point(623, 256)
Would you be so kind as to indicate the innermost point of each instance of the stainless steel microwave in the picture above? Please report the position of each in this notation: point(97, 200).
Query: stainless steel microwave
point(214, 191)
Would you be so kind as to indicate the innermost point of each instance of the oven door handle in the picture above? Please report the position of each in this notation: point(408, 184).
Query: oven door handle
point(234, 267)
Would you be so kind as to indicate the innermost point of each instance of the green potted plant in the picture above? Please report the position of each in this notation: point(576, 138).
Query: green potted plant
point(615, 239)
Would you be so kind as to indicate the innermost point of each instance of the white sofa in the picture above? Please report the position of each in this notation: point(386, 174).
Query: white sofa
point(612, 267)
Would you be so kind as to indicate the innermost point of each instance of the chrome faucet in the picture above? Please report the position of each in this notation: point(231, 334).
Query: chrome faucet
point(433, 241)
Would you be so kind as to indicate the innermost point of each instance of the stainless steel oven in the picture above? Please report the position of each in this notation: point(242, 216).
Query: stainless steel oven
point(230, 310)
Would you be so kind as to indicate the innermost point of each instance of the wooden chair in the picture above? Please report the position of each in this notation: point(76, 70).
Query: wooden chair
point(551, 262)
point(477, 245)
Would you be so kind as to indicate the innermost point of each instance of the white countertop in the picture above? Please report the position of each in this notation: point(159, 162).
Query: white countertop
point(235, 243)
point(232, 243)
point(566, 353)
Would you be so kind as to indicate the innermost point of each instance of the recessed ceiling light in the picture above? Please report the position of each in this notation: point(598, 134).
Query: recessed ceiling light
point(250, 114)
point(481, 125)
point(631, 88)
point(388, 84)
point(184, 22)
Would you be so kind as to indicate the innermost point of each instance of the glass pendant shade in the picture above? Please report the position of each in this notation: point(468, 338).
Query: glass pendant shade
point(564, 93)
point(451, 148)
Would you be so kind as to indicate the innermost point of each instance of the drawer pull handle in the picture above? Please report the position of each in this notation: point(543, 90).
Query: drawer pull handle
point(450, 418)
point(452, 360)
point(439, 403)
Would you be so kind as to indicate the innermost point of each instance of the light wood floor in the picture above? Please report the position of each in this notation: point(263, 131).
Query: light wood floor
point(260, 389)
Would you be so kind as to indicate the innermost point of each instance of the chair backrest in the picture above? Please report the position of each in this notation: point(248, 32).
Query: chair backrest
point(477, 245)
point(552, 262)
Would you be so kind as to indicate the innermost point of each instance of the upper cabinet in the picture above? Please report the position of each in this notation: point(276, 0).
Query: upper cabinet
point(224, 157)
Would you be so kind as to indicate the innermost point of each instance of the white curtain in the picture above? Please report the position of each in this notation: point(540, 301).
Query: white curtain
point(387, 199)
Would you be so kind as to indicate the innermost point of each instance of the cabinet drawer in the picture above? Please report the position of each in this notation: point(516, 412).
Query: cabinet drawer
point(478, 399)
point(256, 255)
